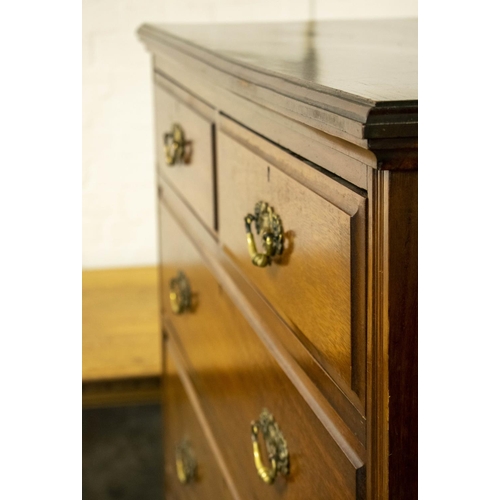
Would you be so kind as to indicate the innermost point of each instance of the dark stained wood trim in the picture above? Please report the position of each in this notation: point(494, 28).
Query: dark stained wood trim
point(392, 381)
point(401, 222)
point(395, 154)
point(392, 120)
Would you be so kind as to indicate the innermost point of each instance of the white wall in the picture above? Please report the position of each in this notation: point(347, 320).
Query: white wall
point(119, 218)
point(118, 178)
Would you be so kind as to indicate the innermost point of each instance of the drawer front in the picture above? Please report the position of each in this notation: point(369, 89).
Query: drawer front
point(185, 443)
point(193, 174)
point(318, 283)
point(236, 378)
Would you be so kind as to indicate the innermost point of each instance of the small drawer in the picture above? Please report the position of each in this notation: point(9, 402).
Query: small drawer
point(191, 471)
point(184, 147)
point(318, 283)
point(237, 380)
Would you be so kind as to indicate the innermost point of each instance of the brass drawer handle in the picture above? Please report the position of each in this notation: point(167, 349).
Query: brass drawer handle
point(267, 222)
point(175, 146)
point(180, 294)
point(185, 462)
point(276, 445)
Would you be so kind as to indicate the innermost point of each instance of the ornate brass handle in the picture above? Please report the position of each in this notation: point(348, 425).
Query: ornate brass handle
point(185, 462)
point(174, 145)
point(180, 294)
point(277, 448)
point(267, 222)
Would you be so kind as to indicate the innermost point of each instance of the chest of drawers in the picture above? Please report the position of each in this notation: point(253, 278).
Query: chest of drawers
point(286, 158)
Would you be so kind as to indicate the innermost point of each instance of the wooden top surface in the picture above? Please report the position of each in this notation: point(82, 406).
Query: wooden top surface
point(120, 328)
point(354, 79)
point(370, 60)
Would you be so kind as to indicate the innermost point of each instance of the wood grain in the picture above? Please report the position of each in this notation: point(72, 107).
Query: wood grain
point(370, 60)
point(313, 285)
point(120, 326)
point(393, 333)
point(352, 79)
point(340, 416)
point(401, 194)
point(235, 377)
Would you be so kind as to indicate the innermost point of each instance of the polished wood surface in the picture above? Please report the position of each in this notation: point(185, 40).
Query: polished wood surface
point(374, 60)
point(401, 228)
point(235, 377)
point(318, 282)
point(194, 179)
point(353, 79)
point(331, 406)
point(392, 332)
point(181, 423)
point(120, 326)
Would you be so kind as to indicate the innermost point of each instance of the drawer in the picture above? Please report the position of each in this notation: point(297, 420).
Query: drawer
point(191, 174)
point(318, 282)
point(236, 378)
point(186, 443)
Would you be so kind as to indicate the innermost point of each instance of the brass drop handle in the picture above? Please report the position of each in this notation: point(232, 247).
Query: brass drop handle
point(174, 145)
point(180, 294)
point(267, 222)
point(185, 462)
point(276, 445)
point(267, 475)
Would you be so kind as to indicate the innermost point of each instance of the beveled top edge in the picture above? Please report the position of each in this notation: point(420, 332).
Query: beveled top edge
point(370, 96)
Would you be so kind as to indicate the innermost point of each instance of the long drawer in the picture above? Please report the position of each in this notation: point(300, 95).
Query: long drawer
point(318, 282)
point(238, 381)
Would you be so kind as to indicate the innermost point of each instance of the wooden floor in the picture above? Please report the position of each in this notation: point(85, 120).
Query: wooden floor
point(120, 331)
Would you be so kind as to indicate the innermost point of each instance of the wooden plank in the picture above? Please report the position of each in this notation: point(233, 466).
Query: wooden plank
point(134, 391)
point(120, 327)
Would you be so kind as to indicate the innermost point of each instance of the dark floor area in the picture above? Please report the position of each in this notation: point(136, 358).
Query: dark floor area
point(122, 453)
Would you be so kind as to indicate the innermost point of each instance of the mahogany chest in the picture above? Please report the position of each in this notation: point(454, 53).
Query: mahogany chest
point(286, 160)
